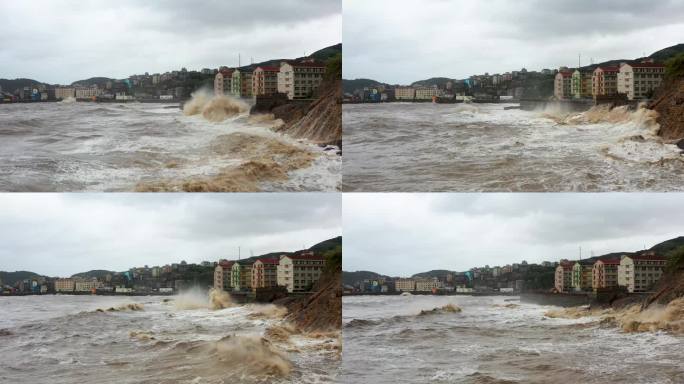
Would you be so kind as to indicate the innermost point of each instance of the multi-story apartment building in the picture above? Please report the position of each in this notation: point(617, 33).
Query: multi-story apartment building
point(241, 275)
point(404, 93)
point(605, 274)
point(223, 82)
point(265, 273)
point(562, 88)
point(405, 285)
point(87, 285)
point(299, 272)
point(265, 81)
point(582, 275)
point(638, 273)
point(426, 93)
point(563, 278)
point(64, 285)
point(223, 275)
point(88, 93)
point(581, 84)
point(63, 93)
point(300, 79)
point(427, 285)
point(638, 81)
point(242, 83)
point(604, 81)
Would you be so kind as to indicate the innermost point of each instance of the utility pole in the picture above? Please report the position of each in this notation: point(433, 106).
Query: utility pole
point(238, 252)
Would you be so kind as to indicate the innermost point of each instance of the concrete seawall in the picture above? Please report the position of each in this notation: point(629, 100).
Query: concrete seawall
point(557, 299)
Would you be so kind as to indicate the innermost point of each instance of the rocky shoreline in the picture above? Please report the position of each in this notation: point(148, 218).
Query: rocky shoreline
point(669, 103)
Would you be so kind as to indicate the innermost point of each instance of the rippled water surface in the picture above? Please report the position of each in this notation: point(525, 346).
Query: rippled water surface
point(117, 147)
point(65, 339)
point(482, 147)
point(495, 340)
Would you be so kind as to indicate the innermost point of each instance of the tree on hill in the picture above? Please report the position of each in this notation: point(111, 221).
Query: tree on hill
point(674, 67)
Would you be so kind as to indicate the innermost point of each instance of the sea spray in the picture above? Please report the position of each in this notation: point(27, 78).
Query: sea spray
point(196, 298)
point(268, 311)
point(214, 108)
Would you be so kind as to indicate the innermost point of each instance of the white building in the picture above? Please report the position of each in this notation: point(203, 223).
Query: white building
point(639, 273)
point(300, 79)
point(300, 271)
point(638, 81)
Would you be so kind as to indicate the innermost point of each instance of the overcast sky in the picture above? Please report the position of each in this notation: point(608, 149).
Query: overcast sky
point(64, 234)
point(402, 41)
point(404, 234)
point(61, 41)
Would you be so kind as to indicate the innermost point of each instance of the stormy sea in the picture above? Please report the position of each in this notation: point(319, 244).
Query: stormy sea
point(211, 145)
point(482, 147)
point(499, 340)
point(187, 338)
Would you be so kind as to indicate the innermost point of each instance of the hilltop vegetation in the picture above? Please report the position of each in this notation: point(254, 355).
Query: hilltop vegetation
point(11, 278)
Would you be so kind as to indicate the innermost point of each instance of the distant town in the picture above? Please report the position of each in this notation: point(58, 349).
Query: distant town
point(295, 272)
point(634, 272)
point(297, 79)
point(601, 83)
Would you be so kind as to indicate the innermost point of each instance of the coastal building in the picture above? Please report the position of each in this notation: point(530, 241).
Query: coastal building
point(405, 93)
point(300, 79)
point(562, 88)
point(427, 285)
point(265, 273)
point(223, 275)
point(581, 84)
point(604, 81)
point(223, 82)
point(563, 277)
point(63, 93)
point(88, 93)
point(639, 80)
point(265, 81)
point(638, 273)
point(299, 272)
point(87, 285)
point(242, 83)
point(426, 93)
point(582, 275)
point(241, 275)
point(64, 285)
point(405, 285)
point(605, 274)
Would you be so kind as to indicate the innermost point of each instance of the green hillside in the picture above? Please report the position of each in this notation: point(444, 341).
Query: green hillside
point(351, 278)
point(11, 278)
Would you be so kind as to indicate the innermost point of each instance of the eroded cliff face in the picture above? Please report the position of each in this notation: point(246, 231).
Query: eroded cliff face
point(322, 123)
point(322, 311)
point(670, 287)
point(669, 103)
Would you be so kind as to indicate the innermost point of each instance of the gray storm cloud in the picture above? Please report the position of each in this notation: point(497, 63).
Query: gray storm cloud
point(62, 234)
point(61, 41)
point(417, 40)
point(403, 234)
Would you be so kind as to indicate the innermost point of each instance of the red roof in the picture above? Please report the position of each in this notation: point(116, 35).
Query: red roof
point(269, 261)
point(566, 73)
point(648, 257)
point(269, 69)
point(644, 65)
point(226, 264)
point(226, 72)
point(305, 257)
point(609, 69)
point(311, 64)
point(611, 261)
